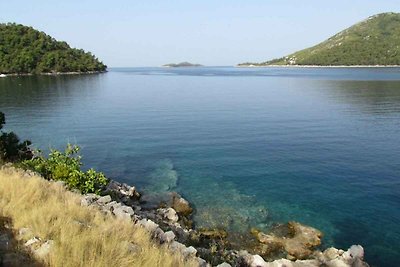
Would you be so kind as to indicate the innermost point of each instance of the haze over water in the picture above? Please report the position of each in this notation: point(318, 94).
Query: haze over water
point(248, 147)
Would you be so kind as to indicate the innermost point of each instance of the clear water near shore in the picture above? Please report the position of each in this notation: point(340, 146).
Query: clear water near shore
point(248, 147)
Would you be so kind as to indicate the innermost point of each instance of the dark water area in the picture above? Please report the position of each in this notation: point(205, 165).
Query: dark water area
point(248, 147)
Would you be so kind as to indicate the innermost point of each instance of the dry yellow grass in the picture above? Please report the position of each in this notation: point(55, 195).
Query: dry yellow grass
point(82, 236)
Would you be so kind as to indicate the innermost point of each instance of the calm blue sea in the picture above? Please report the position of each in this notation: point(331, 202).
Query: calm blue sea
point(248, 147)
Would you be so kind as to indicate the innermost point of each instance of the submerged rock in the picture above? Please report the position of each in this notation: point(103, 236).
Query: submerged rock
point(297, 240)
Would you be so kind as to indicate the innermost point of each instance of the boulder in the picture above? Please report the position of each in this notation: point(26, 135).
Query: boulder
point(168, 237)
point(331, 254)
point(88, 199)
point(169, 214)
point(120, 213)
point(189, 252)
point(149, 225)
point(104, 200)
point(356, 251)
point(122, 192)
point(176, 246)
point(180, 205)
point(298, 240)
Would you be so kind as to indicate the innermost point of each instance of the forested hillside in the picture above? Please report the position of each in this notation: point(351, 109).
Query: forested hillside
point(26, 50)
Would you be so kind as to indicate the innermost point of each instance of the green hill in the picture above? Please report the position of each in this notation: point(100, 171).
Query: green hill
point(374, 41)
point(26, 50)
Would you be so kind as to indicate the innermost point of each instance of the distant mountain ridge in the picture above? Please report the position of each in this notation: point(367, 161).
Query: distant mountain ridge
point(374, 41)
point(24, 50)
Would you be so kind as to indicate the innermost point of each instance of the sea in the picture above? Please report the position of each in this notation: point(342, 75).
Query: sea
point(248, 147)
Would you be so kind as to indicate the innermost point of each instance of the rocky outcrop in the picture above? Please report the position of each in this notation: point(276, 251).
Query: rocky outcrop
point(331, 257)
point(296, 240)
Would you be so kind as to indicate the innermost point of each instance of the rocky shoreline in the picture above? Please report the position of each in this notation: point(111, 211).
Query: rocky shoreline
point(168, 218)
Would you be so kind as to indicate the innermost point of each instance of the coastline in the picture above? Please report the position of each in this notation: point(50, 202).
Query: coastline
point(168, 219)
point(317, 66)
point(52, 73)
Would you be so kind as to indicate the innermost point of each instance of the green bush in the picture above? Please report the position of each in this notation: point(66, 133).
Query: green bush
point(66, 166)
point(11, 149)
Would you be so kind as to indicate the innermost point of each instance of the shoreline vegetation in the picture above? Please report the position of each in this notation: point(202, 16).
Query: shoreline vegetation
point(371, 42)
point(244, 65)
point(68, 215)
point(25, 50)
point(52, 73)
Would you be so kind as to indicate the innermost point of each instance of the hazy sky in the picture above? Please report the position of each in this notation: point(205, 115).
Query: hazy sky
point(210, 32)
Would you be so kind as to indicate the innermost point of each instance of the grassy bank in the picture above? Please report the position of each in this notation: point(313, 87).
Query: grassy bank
point(82, 236)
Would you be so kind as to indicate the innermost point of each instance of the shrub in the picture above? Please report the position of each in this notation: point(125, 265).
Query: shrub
point(11, 149)
point(66, 166)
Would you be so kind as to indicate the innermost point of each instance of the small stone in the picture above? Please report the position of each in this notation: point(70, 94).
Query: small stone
point(104, 199)
point(44, 249)
point(31, 241)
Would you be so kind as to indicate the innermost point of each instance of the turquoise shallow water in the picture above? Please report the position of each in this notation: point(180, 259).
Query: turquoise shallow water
point(248, 147)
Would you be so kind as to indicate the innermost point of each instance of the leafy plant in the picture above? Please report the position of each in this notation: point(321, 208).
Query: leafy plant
point(66, 166)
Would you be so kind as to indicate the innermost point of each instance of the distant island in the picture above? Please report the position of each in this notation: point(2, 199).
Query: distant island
point(372, 42)
point(24, 50)
point(182, 64)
